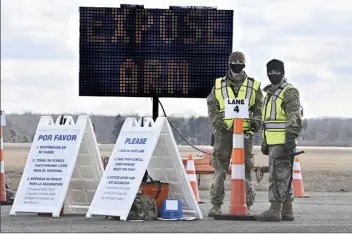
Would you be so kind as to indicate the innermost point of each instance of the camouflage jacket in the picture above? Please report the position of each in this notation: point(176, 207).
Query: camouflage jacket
point(214, 107)
point(291, 106)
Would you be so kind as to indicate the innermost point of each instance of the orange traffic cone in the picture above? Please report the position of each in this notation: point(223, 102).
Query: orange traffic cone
point(297, 181)
point(191, 172)
point(238, 205)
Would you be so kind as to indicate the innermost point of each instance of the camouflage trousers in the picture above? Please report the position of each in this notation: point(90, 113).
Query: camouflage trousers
point(220, 161)
point(279, 175)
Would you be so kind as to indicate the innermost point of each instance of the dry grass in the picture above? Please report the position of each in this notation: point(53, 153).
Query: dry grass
point(322, 170)
point(314, 181)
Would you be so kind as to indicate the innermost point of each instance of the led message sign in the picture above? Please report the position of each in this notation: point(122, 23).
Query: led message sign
point(134, 52)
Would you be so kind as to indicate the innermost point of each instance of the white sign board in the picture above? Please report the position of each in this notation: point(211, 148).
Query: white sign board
point(57, 150)
point(236, 108)
point(137, 147)
point(3, 119)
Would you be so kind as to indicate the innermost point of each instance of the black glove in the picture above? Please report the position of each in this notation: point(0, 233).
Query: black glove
point(221, 126)
point(290, 143)
point(265, 148)
point(255, 125)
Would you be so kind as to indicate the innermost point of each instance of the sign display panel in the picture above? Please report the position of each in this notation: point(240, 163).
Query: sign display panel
point(136, 52)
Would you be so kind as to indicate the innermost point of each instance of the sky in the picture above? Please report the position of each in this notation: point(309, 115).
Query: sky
point(39, 54)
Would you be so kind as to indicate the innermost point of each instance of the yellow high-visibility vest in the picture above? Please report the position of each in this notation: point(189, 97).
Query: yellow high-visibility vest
point(274, 117)
point(225, 91)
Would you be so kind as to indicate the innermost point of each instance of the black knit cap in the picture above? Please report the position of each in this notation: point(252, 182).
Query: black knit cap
point(275, 64)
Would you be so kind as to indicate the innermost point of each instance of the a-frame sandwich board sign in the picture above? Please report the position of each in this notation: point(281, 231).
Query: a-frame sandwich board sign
point(142, 145)
point(63, 168)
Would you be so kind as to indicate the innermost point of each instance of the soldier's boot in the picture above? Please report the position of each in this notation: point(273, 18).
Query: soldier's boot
point(249, 201)
point(287, 211)
point(249, 210)
point(250, 198)
point(272, 214)
point(215, 210)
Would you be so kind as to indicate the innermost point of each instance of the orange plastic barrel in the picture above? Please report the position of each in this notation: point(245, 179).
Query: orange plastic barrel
point(158, 191)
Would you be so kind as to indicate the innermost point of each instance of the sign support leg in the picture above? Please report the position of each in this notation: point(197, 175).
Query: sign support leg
point(155, 107)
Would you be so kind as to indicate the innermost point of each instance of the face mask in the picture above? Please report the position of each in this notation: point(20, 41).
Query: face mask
point(236, 68)
point(275, 78)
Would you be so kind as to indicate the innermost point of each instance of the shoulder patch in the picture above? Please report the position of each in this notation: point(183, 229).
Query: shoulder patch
point(291, 89)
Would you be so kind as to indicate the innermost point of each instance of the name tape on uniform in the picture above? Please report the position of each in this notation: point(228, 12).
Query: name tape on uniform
point(236, 108)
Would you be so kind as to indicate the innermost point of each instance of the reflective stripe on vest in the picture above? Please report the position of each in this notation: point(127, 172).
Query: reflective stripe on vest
point(224, 91)
point(274, 117)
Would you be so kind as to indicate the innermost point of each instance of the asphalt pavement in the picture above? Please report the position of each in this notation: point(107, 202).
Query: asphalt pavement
point(322, 212)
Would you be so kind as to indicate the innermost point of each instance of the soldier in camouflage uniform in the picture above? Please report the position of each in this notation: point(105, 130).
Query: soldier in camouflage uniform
point(281, 124)
point(236, 83)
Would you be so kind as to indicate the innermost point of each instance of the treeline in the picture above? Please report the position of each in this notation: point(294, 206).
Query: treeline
point(21, 128)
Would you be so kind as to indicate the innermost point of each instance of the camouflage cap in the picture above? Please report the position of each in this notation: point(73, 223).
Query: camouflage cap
point(237, 56)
